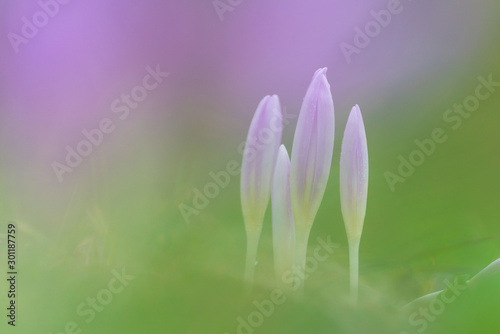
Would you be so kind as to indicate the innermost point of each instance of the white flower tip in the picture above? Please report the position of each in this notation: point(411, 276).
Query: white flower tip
point(274, 98)
point(320, 76)
point(282, 162)
point(355, 111)
point(283, 150)
point(321, 71)
point(270, 99)
point(355, 120)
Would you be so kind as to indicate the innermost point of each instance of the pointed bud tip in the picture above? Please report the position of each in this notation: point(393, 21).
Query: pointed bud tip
point(322, 71)
point(283, 152)
point(270, 97)
point(355, 116)
point(274, 99)
point(319, 78)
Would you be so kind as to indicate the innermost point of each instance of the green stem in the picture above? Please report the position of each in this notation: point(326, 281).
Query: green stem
point(301, 241)
point(354, 267)
point(252, 245)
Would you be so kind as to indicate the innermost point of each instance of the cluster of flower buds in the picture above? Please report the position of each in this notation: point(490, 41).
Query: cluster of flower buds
point(297, 186)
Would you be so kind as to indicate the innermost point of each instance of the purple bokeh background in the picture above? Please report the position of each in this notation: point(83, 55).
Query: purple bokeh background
point(92, 51)
point(65, 78)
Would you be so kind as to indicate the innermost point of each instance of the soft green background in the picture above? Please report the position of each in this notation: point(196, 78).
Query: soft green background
point(122, 212)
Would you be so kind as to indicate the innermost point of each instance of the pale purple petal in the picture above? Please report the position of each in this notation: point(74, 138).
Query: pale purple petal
point(259, 158)
point(312, 149)
point(354, 174)
point(283, 225)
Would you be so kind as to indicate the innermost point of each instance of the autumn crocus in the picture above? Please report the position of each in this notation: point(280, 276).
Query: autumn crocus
point(283, 226)
point(311, 159)
point(354, 189)
point(257, 169)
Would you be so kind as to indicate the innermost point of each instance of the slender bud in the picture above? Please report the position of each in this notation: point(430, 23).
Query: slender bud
point(311, 158)
point(283, 226)
point(259, 157)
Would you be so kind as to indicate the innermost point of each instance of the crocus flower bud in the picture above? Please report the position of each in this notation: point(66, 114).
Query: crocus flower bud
point(259, 157)
point(311, 159)
point(283, 226)
point(312, 150)
point(354, 188)
point(354, 174)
